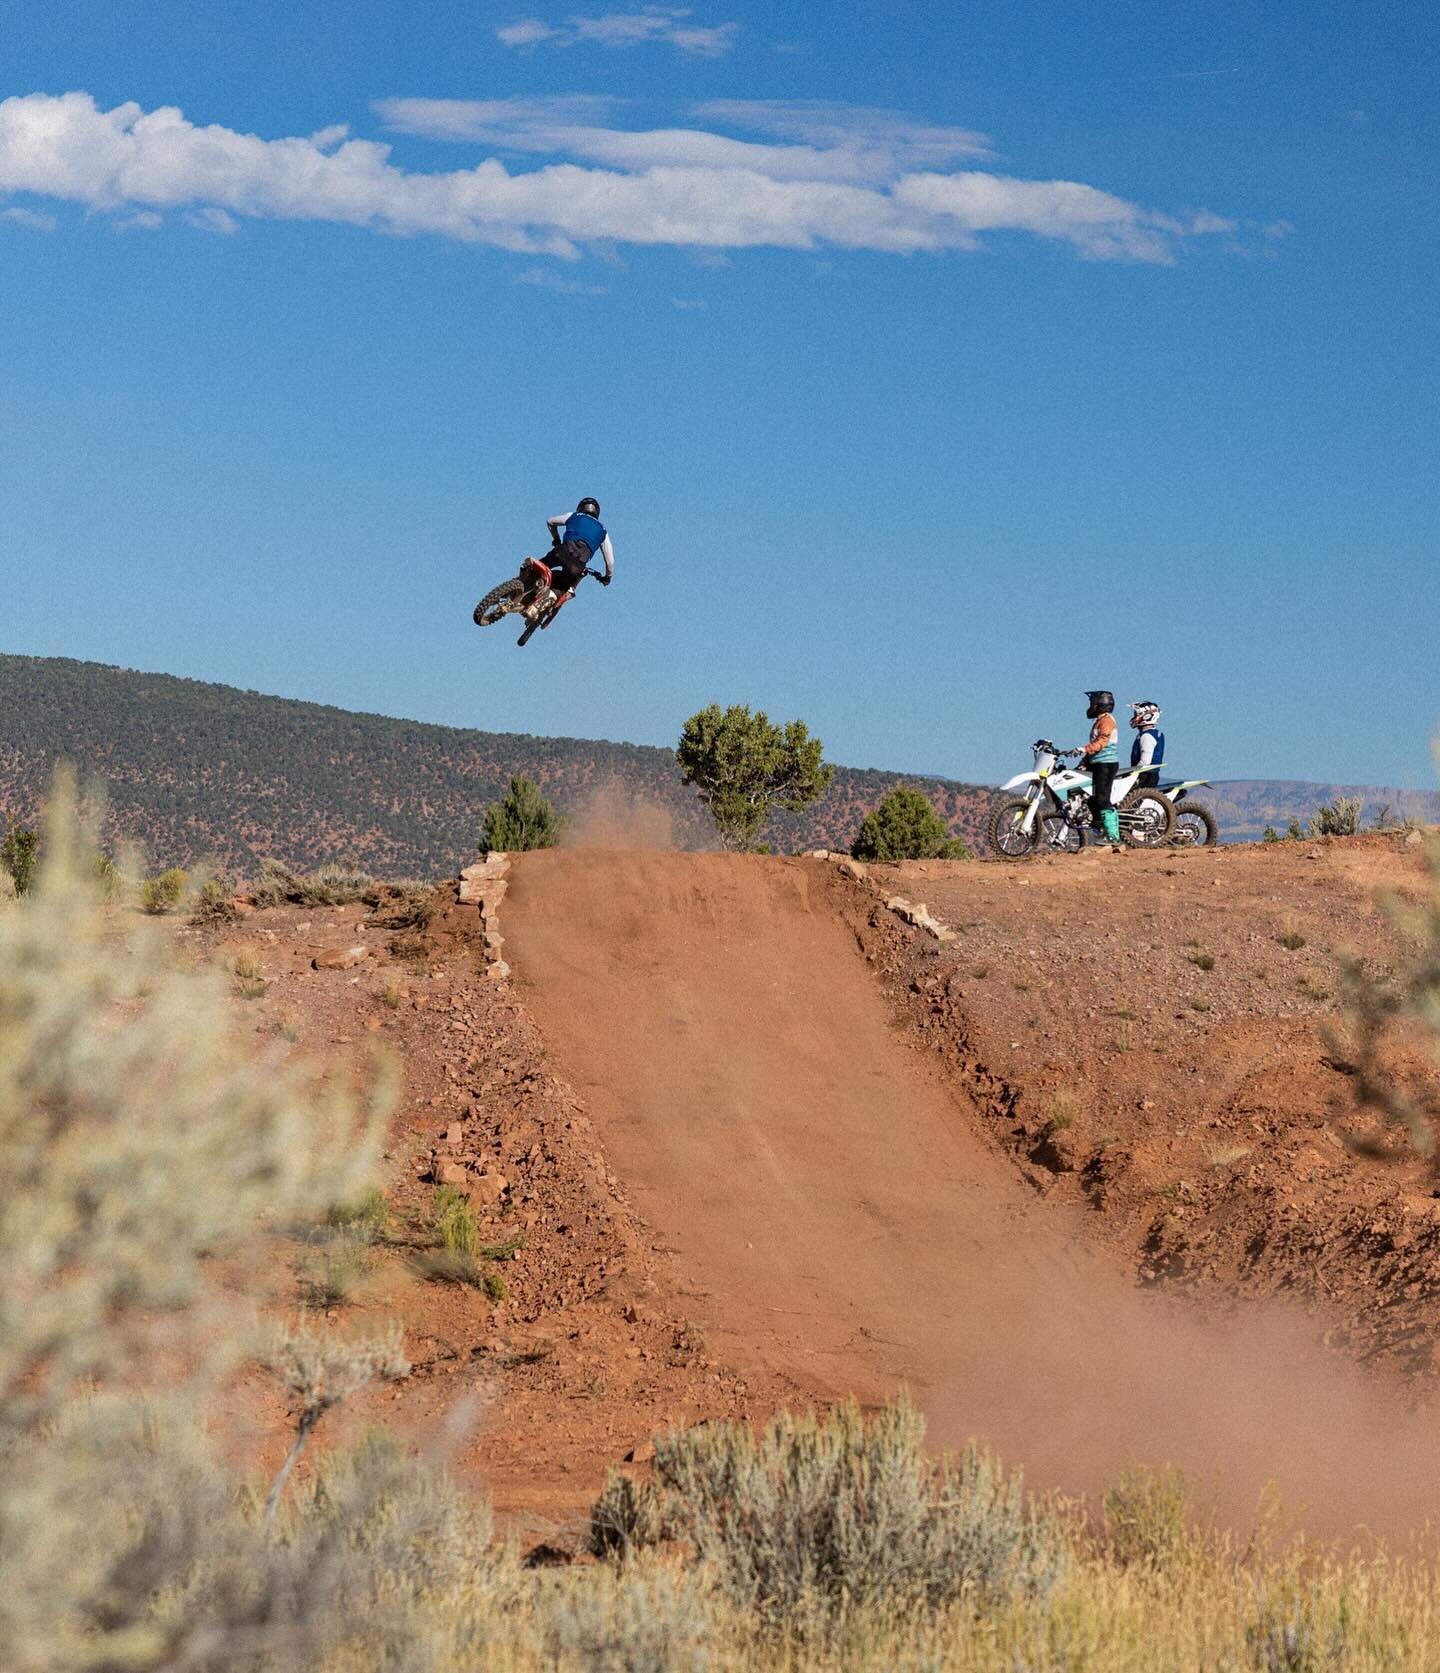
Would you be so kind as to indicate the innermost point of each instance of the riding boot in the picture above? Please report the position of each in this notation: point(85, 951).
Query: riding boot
point(1110, 823)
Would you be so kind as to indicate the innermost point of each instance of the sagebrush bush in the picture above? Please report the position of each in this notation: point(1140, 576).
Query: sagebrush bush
point(1339, 818)
point(329, 885)
point(839, 1511)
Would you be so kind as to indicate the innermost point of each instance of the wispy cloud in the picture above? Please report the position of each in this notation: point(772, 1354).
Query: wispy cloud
point(35, 219)
point(211, 219)
point(820, 141)
point(688, 304)
point(833, 176)
point(664, 24)
point(546, 278)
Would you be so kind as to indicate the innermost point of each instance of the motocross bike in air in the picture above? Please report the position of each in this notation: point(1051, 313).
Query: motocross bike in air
point(1055, 813)
point(532, 594)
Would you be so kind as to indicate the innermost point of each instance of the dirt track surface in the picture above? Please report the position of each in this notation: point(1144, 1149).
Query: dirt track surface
point(840, 1208)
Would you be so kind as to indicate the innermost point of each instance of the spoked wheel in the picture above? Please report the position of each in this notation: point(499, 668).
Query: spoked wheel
point(1059, 836)
point(1195, 826)
point(1146, 819)
point(499, 601)
point(1007, 836)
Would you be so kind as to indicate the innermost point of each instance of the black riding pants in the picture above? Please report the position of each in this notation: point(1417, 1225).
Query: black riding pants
point(567, 564)
point(1102, 781)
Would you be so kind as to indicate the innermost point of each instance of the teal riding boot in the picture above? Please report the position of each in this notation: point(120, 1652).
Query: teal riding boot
point(1110, 824)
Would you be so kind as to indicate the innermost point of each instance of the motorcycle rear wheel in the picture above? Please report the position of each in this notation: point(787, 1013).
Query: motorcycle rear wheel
point(1006, 837)
point(1195, 826)
point(499, 601)
point(1146, 819)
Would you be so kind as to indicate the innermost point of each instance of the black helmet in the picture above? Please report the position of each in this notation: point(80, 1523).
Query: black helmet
point(1101, 703)
point(591, 508)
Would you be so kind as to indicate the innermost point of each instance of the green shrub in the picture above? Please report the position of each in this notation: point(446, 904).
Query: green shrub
point(165, 892)
point(521, 821)
point(1270, 834)
point(743, 765)
point(333, 1268)
point(20, 855)
point(906, 826)
point(368, 1217)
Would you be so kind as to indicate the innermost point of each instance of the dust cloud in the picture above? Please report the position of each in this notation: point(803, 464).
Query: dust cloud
point(613, 817)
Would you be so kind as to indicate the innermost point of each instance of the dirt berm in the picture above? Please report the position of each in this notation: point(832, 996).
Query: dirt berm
point(836, 1213)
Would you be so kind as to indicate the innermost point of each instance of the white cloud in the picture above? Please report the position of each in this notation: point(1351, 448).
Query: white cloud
point(685, 187)
point(143, 220)
point(211, 219)
point(625, 29)
point(528, 32)
point(688, 304)
point(35, 219)
point(831, 142)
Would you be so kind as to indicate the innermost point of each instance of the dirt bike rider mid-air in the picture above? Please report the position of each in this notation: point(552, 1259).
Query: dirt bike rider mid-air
point(1101, 757)
point(576, 536)
point(1148, 750)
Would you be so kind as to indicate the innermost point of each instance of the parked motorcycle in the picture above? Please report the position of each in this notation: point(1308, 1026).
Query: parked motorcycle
point(532, 594)
point(1195, 825)
point(1056, 813)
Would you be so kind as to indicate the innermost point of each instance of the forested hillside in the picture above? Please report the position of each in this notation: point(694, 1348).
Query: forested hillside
point(199, 771)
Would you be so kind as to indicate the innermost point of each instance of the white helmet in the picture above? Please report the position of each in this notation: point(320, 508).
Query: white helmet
point(1145, 714)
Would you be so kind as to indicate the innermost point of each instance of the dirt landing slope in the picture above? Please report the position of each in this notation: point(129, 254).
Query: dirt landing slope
point(836, 1216)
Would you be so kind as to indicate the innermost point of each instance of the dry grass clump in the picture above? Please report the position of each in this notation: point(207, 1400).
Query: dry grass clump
point(404, 904)
point(214, 903)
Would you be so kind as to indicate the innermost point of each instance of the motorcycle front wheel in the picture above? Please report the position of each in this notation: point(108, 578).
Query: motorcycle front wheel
point(1146, 819)
point(499, 601)
point(1195, 826)
point(1059, 836)
point(1007, 837)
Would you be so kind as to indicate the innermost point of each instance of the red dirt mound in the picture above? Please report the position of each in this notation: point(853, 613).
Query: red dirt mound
point(839, 1213)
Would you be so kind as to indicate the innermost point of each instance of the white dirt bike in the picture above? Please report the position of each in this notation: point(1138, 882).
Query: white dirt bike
point(1056, 813)
point(1195, 825)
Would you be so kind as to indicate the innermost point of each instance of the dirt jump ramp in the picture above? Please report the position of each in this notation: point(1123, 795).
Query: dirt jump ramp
point(838, 1218)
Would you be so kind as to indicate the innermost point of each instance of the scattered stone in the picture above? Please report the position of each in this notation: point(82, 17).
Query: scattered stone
point(454, 1135)
point(452, 1173)
point(497, 972)
point(340, 958)
point(643, 1451)
point(489, 1188)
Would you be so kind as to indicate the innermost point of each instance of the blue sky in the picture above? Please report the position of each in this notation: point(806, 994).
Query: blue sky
point(931, 363)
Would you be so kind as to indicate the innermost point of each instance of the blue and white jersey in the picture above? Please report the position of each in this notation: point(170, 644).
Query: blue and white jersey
point(1148, 750)
point(579, 525)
